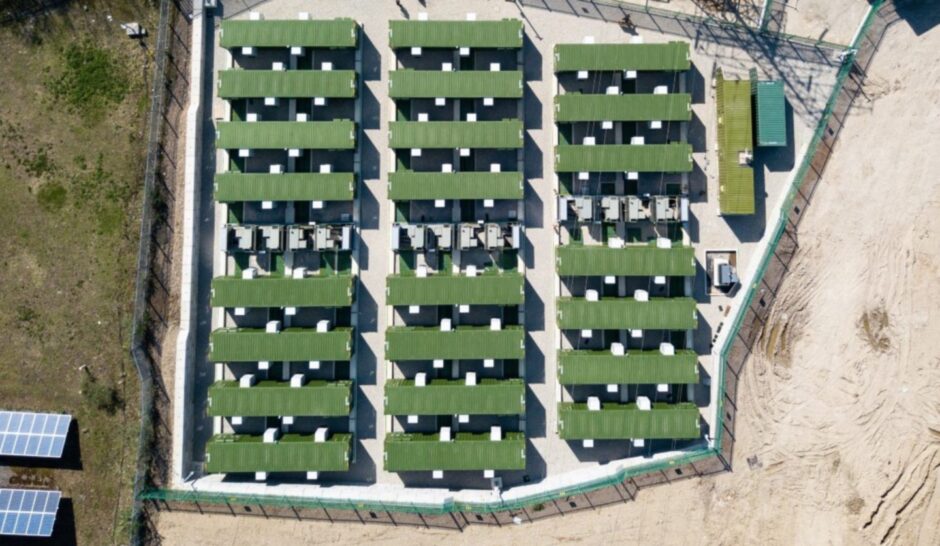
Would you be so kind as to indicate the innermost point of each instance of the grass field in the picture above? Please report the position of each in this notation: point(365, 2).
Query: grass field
point(73, 105)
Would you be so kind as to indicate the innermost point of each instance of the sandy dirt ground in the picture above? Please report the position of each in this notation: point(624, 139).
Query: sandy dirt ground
point(839, 406)
point(830, 20)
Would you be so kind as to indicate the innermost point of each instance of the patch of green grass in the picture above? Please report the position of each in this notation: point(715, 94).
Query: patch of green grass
point(89, 79)
point(51, 196)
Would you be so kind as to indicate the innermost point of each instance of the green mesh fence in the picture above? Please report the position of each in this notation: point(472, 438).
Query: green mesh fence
point(639, 476)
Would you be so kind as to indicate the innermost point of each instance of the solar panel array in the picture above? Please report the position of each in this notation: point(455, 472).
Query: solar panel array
point(25, 434)
point(28, 513)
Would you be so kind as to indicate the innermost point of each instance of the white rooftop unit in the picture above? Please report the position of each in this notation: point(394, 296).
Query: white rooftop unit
point(471, 379)
point(320, 435)
point(617, 349)
point(593, 403)
point(297, 380)
point(643, 403)
point(273, 327)
point(445, 434)
point(416, 51)
point(591, 295)
point(421, 379)
point(667, 349)
point(494, 67)
point(496, 324)
point(446, 325)
point(246, 380)
point(323, 326)
point(641, 295)
point(326, 66)
point(270, 435)
point(496, 433)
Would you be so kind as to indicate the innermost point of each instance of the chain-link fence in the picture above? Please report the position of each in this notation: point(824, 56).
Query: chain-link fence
point(152, 296)
point(625, 485)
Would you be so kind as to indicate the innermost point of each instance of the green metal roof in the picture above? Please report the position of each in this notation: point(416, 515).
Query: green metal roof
point(270, 291)
point(506, 33)
point(735, 182)
point(627, 314)
point(425, 452)
point(283, 135)
point(231, 187)
point(629, 261)
point(646, 57)
point(290, 345)
point(277, 398)
point(771, 113)
point(454, 397)
point(231, 453)
point(294, 84)
point(622, 421)
point(573, 107)
point(461, 343)
point(464, 84)
point(647, 158)
point(322, 33)
point(455, 134)
point(410, 185)
point(634, 368)
point(486, 289)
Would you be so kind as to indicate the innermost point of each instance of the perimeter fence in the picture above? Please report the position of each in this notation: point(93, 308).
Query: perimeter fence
point(624, 485)
point(153, 301)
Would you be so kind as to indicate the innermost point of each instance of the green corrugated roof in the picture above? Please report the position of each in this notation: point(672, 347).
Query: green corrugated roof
point(629, 261)
point(461, 343)
point(236, 187)
point(487, 289)
point(771, 113)
point(290, 345)
point(278, 398)
point(648, 158)
point(231, 453)
point(455, 134)
point(425, 452)
point(410, 185)
point(627, 314)
point(269, 291)
point(647, 57)
point(454, 397)
point(645, 107)
point(506, 33)
point(634, 368)
point(294, 84)
point(321, 33)
point(735, 182)
point(283, 135)
point(622, 421)
point(465, 84)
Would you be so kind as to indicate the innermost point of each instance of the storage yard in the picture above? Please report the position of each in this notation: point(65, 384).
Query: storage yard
point(539, 312)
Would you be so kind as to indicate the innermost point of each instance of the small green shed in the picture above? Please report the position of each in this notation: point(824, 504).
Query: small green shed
point(770, 113)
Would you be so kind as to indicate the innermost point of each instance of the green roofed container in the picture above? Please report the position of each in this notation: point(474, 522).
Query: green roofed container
point(572, 107)
point(504, 34)
point(504, 134)
point(290, 345)
point(337, 33)
point(633, 368)
point(735, 144)
point(627, 314)
point(284, 135)
point(486, 289)
point(623, 421)
point(464, 84)
point(425, 452)
point(630, 261)
point(672, 56)
point(271, 291)
point(770, 106)
point(275, 398)
point(461, 343)
point(235, 453)
point(234, 187)
point(294, 84)
point(648, 158)
point(410, 185)
point(455, 397)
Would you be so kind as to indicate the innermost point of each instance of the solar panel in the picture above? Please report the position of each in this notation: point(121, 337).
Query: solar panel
point(28, 513)
point(33, 434)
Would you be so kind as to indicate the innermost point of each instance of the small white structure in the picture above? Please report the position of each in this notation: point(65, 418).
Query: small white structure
point(488, 101)
point(447, 67)
point(607, 125)
point(445, 434)
point(587, 334)
point(641, 295)
point(494, 67)
point(313, 365)
point(613, 90)
point(416, 152)
point(277, 67)
point(661, 90)
point(414, 309)
point(421, 379)
point(637, 140)
point(246, 380)
point(440, 101)
point(416, 51)
point(323, 326)
point(326, 66)
point(643, 403)
point(273, 327)
point(465, 152)
point(440, 203)
point(610, 279)
point(617, 349)
point(320, 435)
point(297, 380)
point(471, 379)
point(464, 51)
point(447, 168)
point(276, 169)
point(489, 203)
point(464, 308)
point(489, 363)
point(590, 141)
point(582, 74)
point(422, 116)
point(496, 324)
point(593, 403)
point(495, 168)
point(591, 295)
point(438, 364)
point(270, 436)
point(471, 116)
point(252, 117)
point(446, 325)
point(667, 349)
point(496, 433)
point(584, 175)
